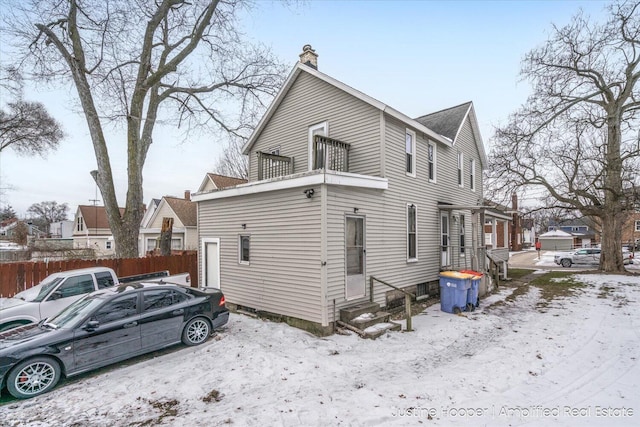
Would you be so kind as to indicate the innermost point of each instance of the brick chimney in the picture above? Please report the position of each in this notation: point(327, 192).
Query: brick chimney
point(309, 56)
point(187, 195)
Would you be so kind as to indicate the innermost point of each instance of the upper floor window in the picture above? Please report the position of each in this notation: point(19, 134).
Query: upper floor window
point(317, 157)
point(412, 232)
point(410, 150)
point(460, 169)
point(472, 175)
point(637, 225)
point(108, 245)
point(431, 158)
point(79, 224)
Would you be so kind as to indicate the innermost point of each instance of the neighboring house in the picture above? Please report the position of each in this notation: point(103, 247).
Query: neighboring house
point(148, 213)
point(214, 181)
point(184, 234)
point(631, 229)
point(7, 225)
point(91, 230)
point(61, 229)
point(580, 229)
point(343, 189)
point(556, 240)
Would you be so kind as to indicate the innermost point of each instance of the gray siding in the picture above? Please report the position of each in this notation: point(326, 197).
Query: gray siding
point(311, 101)
point(284, 275)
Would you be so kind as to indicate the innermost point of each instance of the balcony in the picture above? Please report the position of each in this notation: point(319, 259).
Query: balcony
point(273, 165)
point(330, 154)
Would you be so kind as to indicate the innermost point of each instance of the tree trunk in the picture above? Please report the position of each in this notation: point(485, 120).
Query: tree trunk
point(611, 255)
point(165, 236)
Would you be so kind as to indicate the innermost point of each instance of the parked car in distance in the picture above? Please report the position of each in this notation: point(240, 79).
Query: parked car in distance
point(105, 327)
point(585, 256)
point(58, 290)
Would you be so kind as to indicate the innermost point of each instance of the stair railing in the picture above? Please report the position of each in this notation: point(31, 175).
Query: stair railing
point(408, 296)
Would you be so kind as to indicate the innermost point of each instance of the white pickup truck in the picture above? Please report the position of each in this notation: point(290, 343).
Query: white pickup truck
point(59, 290)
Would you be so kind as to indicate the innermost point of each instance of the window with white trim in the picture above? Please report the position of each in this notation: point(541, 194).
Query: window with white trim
point(462, 236)
point(460, 169)
point(244, 242)
point(431, 159)
point(412, 232)
point(79, 224)
point(637, 225)
point(317, 158)
point(410, 152)
point(472, 174)
point(108, 245)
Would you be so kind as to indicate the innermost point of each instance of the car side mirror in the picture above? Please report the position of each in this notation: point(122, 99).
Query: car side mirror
point(91, 325)
point(55, 295)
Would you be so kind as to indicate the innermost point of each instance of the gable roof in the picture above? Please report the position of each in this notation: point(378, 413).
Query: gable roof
point(185, 210)
point(449, 123)
point(300, 68)
point(95, 216)
point(221, 181)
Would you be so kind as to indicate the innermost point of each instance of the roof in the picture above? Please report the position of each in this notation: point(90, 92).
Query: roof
point(556, 234)
point(185, 210)
point(300, 68)
point(220, 181)
point(95, 216)
point(446, 122)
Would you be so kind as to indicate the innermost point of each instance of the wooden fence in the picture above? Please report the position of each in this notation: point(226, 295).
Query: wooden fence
point(18, 276)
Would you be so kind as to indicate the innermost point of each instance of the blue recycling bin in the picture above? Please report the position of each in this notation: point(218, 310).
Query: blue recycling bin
point(472, 294)
point(454, 287)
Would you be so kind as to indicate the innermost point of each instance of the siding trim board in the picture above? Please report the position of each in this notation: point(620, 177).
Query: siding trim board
point(299, 180)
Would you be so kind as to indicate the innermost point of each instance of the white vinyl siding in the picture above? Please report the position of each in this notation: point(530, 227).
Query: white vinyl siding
point(311, 101)
point(284, 274)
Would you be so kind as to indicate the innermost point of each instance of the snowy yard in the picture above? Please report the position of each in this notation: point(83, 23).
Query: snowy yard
point(574, 361)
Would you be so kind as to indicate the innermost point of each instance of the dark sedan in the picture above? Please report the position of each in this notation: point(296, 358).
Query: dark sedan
point(105, 327)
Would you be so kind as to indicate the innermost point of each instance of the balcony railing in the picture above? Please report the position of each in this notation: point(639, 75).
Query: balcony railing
point(330, 154)
point(273, 165)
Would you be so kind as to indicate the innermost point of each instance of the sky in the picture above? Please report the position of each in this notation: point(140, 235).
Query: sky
point(416, 56)
point(512, 362)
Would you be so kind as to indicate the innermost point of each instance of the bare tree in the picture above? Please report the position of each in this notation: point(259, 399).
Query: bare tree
point(20, 234)
point(576, 135)
point(137, 64)
point(232, 162)
point(46, 213)
point(25, 126)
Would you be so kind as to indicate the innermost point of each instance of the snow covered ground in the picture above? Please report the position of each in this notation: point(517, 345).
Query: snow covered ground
point(573, 362)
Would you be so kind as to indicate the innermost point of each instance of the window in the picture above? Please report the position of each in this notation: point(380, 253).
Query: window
point(104, 279)
point(243, 244)
point(317, 159)
point(108, 245)
point(462, 235)
point(73, 286)
point(160, 298)
point(431, 156)
point(176, 244)
point(472, 175)
point(460, 170)
point(410, 150)
point(637, 225)
point(412, 234)
point(118, 309)
point(79, 224)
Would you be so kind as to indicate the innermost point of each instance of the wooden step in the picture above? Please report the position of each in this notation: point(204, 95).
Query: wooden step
point(366, 320)
point(379, 329)
point(349, 313)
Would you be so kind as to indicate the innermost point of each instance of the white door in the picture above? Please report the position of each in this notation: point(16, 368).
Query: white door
point(355, 257)
point(445, 247)
point(211, 263)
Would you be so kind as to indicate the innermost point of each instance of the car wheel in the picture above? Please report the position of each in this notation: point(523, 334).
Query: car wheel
point(196, 331)
point(566, 262)
point(33, 377)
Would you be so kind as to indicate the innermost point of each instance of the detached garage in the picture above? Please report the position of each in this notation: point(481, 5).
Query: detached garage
point(556, 240)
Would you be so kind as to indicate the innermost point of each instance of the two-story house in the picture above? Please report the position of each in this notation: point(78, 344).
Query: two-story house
point(342, 189)
point(91, 230)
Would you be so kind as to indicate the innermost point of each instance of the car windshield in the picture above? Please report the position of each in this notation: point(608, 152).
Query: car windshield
point(39, 292)
point(71, 316)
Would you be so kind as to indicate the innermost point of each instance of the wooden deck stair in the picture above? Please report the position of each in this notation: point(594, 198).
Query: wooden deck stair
point(368, 320)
